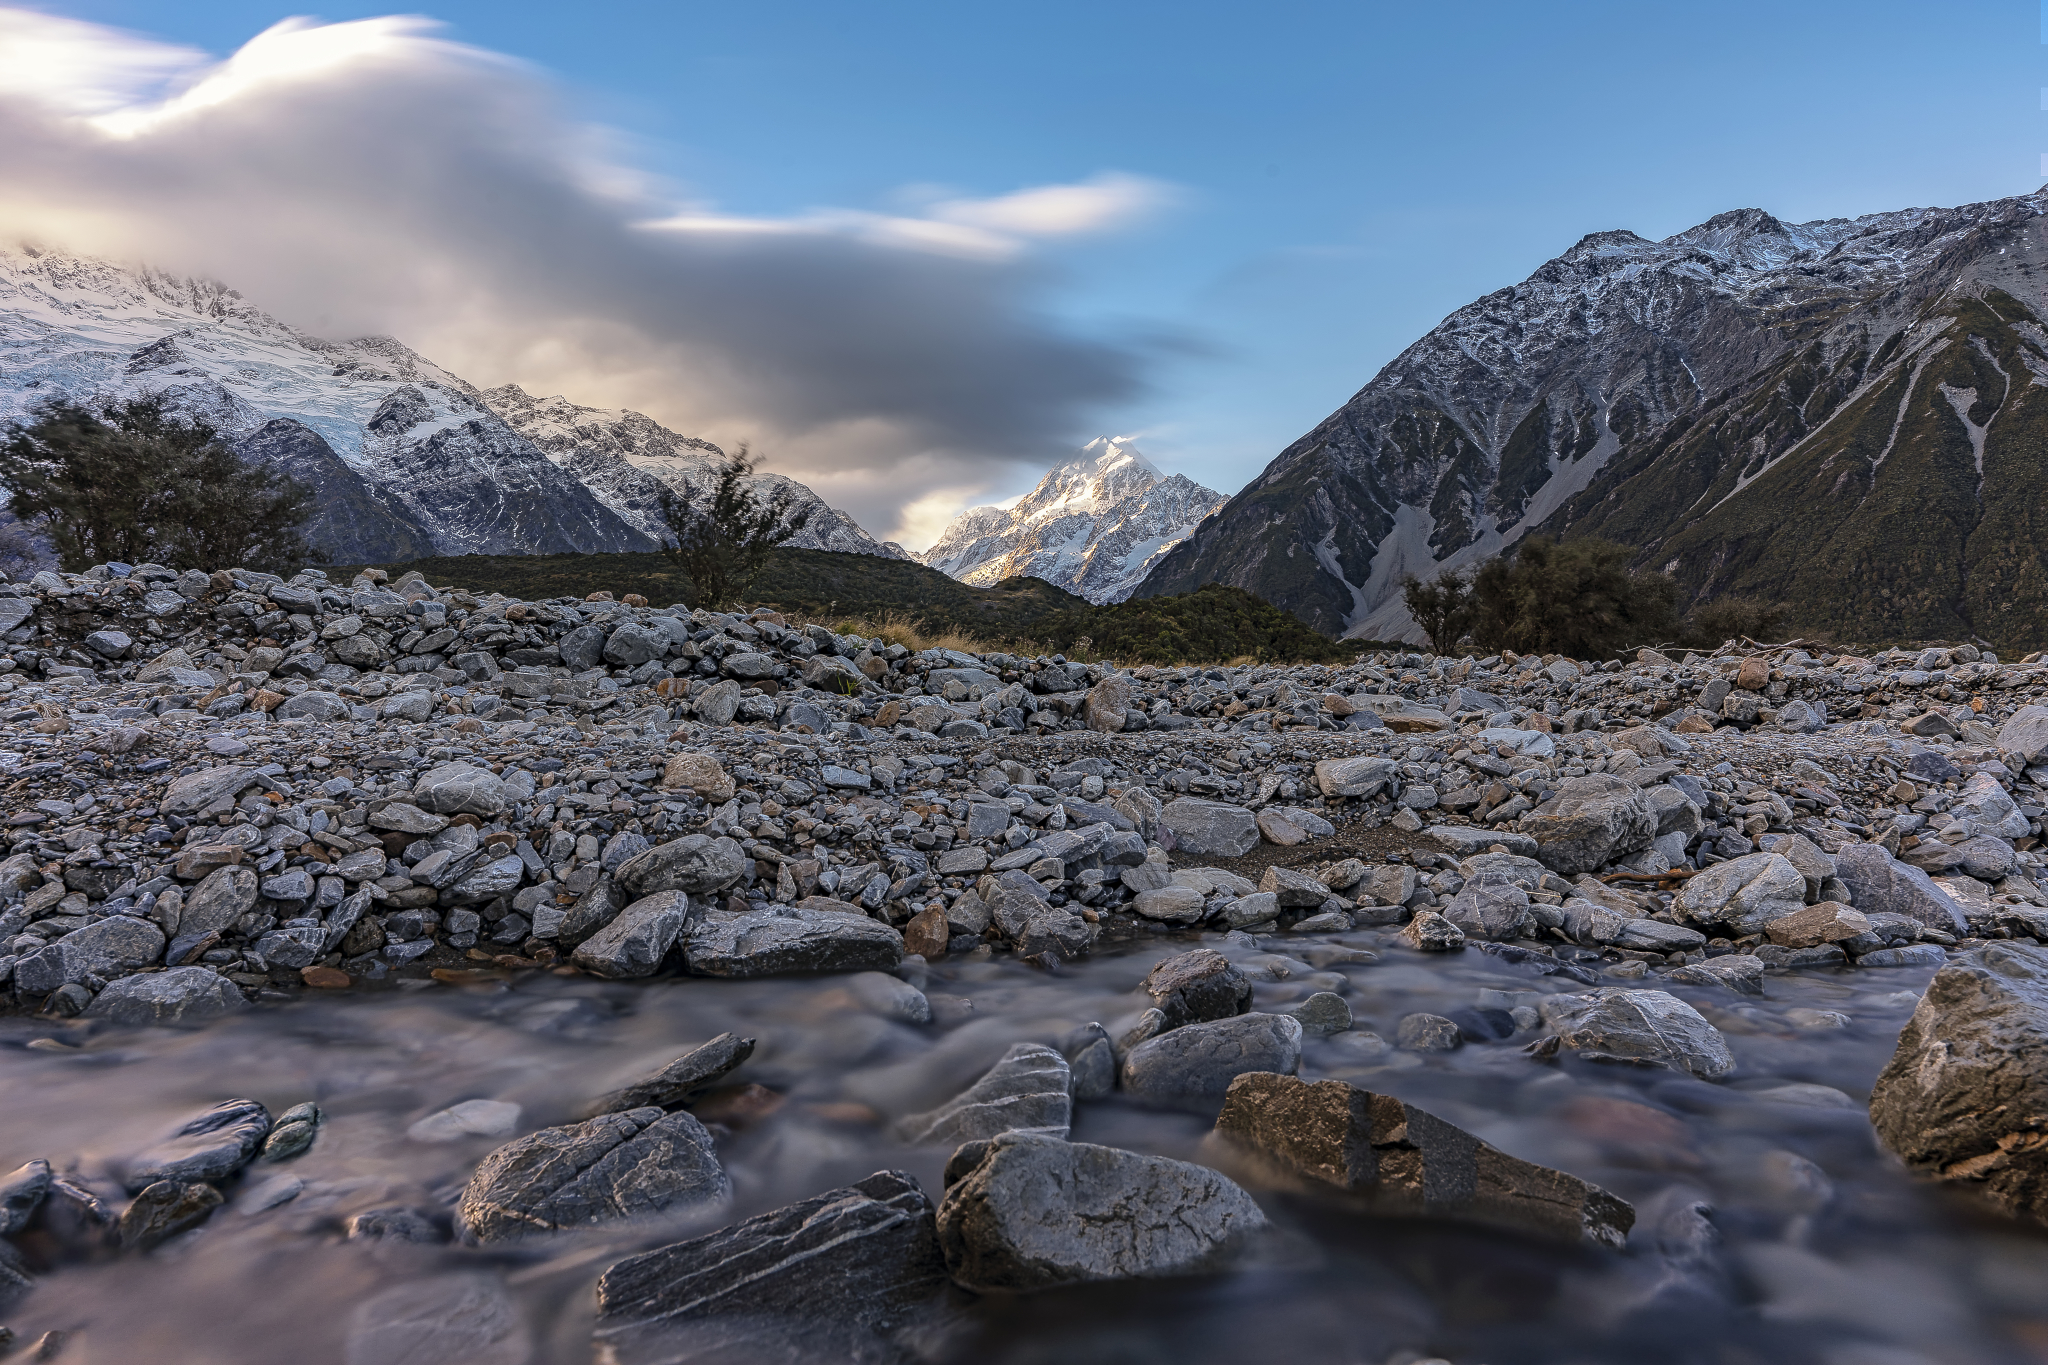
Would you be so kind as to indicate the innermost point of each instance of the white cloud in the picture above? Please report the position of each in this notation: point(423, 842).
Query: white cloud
point(372, 177)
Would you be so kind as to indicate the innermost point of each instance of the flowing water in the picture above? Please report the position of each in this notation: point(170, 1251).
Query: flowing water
point(1771, 1227)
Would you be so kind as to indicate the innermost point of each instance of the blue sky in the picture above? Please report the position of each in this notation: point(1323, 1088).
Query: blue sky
point(1342, 175)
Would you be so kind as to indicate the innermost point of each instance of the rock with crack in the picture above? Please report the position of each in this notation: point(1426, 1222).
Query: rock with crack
point(1198, 986)
point(681, 1082)
point(209, 1147)
point(1965, 1097)
point(1027, 1091)
point(1191, 1067)
point(1405, 1161)
point(1591, 821)
point(782, 939)
point(1026, 1212)
point(834, 1277)
point(1646, 1027)
point(611, 1169)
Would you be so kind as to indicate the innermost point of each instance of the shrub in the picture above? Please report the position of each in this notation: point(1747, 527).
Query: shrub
point(1577, 598)
point(723, 535)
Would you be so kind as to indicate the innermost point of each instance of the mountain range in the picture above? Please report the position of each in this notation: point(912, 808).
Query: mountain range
point(1840, 417)
point(1095, 525)
point(405, 459)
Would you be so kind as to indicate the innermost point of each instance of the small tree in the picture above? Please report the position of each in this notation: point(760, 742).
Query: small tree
point(722, 535)
point(1577, 598)
point(131, 482)
point(1442, 607)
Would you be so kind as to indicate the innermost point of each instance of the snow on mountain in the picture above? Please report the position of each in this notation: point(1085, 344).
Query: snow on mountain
point(1576, 401)
point(1094, 525)
point(625, 458)
point(405, 459)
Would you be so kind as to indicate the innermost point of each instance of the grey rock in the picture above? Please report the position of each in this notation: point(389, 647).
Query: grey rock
point(785, 939)
point(1653, 1027)
point(1744, 893)
point(1036, 929)
point(696, 863)
point(468, 1317)
point(1027, 1091)
point(1655, 936)
point(210, 1147)
point(718, 703)
point(1429, 932)
point(1211, 827)
point(1591, 821)
point(315, 705)
point(2025, 735)
point(1025, 1212)
point(1880, 884)
point(1913, 955)
point(402, 817)
point(582, 648)
point(632, 645)
point(1407, 1162)
point(1737, 972)
point(1962, 1098)
point(1427, 1033)
point(194, 792)
point(1322, 1014)
point(1489, 907)
point(1192, 1066)
point(1091, 1062)
point(1364, 775)
point(459, 788)
point(1463, 840)
point(21, 1193)
point(1198, 986)
point(682, 1081)
point(224, 896)
point(175, 998)
point(833, 1277)
point(1173, 904)
point(637, 939)
point(611, 1169)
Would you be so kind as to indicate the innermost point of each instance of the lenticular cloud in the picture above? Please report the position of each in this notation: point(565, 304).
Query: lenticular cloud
point(371, 177)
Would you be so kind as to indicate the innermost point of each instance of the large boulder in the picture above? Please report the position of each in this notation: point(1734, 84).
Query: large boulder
point(461, 788)
point(699, 773)
point(1987, 803)
point(1490, 906)
point(782, 939)
point(1038, 929)
point(1408, 1162)
point(1192, 1067)
point(1211, 828)
point(1027, 1091)
point(1363, 775)
point(679, 1083)
point(1880, 884)
point(1744, 893)
point(194, 792)
point(2025, 736)
point(182, 995)
point(1653, 1027)
point(696, 863)
point(1965, 1096)
point(610, 1169)
point(832, 1277)
point(638, 937)
point(105, 948)
point(1592, 820)
point(1023, 1211)
point(1107, 702)
point(209, 1147)
point(1198, 986)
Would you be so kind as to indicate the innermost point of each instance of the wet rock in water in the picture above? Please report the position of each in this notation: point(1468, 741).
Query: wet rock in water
point(1430, 932)
point(832, 1277)
point(696, 863)
point(1322, 1014)
point(1406, 1161)
point(1963, 1097)
point(637, 939)
point(1027, 1091)
point(467, 1318)
point(784, 939)
point(21, 1193)
point(1591, 821)
point(1428, 1033)
point(15, 1283)
point(165, 1208)
point(1652, 1027)
point(1744, 894)
point(210, 1147)
point(890, 996)
point(1489, 907)
point(397, 1223)
point(178, 997)
point(288, 1140)
point(1198, 986)
point(1211, 827)
point(1192, 1066)
point(679, 1083)
point(1091, 1062)
point(471, 1118)
point(1025, 1212)
point(1738, 972)
point(613, 1168)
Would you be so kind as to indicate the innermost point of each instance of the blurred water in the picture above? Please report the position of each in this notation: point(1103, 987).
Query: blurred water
point(1771, 1228)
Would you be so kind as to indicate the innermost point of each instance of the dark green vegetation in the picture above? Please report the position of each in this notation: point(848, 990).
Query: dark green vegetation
point(131, 482)
point(721, 537)
point(866, 591)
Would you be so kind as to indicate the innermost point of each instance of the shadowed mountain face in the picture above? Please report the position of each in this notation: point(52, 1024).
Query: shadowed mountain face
point(408, 459)
point(1840, 416)
point(1095, 525)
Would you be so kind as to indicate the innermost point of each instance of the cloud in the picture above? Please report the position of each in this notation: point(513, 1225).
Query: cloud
point(372, 177)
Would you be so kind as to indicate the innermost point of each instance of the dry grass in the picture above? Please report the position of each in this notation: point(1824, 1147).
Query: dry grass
point(915, 635)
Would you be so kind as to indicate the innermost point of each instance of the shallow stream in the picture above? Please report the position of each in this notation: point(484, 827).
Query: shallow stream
point(1771, 1227)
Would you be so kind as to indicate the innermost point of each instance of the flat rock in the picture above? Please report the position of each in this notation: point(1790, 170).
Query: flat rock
point(1880, 884)
point(611, 1169)
point(175, 998)
point(194, 792)
point(1465, 840)
point(1211, 828)
point(209, 1147)
point(1191, 1067)
point(1962, 1098)
point(1027, 1091)
point(784, 939)
point(1405, 1161)
point(468, 1317)
point(634, 943)
point(696, 863)
point(679, 1083)
point(1023, 1211)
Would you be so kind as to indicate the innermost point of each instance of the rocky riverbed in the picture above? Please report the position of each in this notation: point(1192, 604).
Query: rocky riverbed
point(401, 974)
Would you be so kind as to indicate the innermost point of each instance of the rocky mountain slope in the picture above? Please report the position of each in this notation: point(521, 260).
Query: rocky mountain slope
point(405, 458)
point(1872, 376)
point(1095, 525)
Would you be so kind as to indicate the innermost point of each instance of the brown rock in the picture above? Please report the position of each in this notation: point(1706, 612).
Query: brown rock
point(1754, 675)
point(1828, 922)
point(1106, 703)
point(926, 934)
point(891, 712)
point(700, 773)
point(165, 1209)
point(1406, 1161)
point(325, 978)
